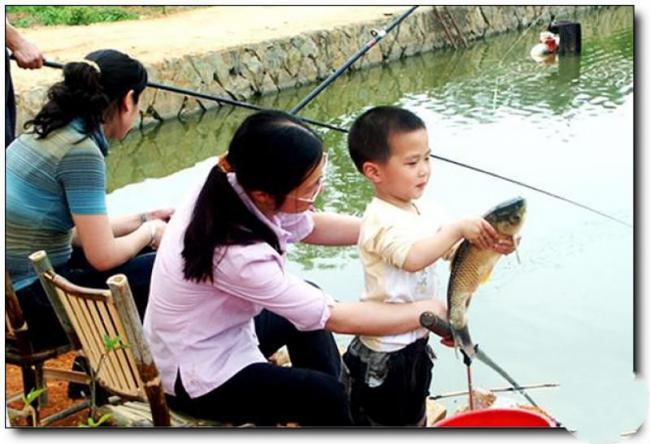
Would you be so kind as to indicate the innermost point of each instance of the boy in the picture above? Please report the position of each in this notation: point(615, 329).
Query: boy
point(390, 375)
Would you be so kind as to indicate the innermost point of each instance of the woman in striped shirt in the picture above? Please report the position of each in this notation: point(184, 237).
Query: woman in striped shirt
point(56, 189)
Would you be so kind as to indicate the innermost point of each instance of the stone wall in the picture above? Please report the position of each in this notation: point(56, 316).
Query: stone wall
point(247, 70)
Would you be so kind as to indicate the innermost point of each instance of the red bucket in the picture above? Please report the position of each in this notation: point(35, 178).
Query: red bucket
point(497, 417)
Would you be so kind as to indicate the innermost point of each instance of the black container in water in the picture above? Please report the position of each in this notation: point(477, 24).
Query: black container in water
point(570, 36)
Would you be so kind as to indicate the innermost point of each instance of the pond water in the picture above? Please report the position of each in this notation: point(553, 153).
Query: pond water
point(566, 313)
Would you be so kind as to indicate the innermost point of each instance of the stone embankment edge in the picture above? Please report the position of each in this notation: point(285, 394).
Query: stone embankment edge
point(255, 69)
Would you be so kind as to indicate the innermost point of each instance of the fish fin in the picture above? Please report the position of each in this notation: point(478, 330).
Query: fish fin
point(486, 272)
point(485, 277)
point(463, 341)
point(456, 343)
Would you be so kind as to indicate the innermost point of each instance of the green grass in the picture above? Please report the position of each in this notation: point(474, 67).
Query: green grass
point(25, 16)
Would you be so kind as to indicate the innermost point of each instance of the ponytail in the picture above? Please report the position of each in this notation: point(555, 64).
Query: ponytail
point(219, 219)
point(271, 151)
point(80, 94)
point(89, 88)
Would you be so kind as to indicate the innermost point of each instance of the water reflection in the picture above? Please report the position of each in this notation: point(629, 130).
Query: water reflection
point(163, 149)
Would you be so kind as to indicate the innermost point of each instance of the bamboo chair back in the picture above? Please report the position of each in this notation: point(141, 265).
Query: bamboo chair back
point(96, 316)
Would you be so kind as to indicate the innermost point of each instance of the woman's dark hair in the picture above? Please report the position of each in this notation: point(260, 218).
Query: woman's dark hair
point(271, 151)
point(369, 136)
point(87, 92)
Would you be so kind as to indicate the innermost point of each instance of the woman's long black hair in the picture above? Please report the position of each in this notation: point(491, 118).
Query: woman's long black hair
point(88, 93)
point(271, 151)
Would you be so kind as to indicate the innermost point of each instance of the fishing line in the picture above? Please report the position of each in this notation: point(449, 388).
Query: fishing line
point(539, 190)
point(500, 62)
point(249, 106)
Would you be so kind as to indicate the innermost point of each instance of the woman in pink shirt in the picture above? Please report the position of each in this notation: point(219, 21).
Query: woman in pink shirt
point(222, 301)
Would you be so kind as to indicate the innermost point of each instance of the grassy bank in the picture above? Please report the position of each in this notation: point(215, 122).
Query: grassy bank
point(27, 16)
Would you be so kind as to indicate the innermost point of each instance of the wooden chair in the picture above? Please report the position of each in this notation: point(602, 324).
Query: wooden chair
point(21, 351)
point(130, 373)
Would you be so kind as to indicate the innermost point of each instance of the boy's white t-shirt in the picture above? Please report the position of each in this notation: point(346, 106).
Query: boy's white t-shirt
point(387, 234)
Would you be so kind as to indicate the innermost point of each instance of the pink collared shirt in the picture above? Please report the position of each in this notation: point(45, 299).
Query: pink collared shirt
point(206, 330)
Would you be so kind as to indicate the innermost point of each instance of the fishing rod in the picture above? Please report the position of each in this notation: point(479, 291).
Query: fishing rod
point(218, 99)
point(380, 35)
point(496, 390)
point(240, 104)
point(377, 36)
point(439, 326)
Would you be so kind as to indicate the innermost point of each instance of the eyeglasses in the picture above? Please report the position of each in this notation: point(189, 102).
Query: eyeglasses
point(319, 188)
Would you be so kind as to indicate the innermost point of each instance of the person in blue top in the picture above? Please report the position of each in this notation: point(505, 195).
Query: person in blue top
point(56, 190)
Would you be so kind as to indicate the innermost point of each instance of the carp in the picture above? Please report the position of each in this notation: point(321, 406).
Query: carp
point(472, 266)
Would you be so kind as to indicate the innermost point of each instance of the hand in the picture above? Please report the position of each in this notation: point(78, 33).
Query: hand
point(28, 56)
point(163, 214)
point(449, 342)
point(506, 244)
point(479, 232)
point(159, 227)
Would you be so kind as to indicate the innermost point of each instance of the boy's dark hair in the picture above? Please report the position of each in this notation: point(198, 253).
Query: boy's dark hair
point(368, 137)
point(271, 151)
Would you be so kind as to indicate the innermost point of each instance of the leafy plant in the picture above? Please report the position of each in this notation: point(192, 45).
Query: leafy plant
point(33, 394)
point(68, 15)
point(111, 345)
point(92, 424)
point(28, 411)
point(116, 343)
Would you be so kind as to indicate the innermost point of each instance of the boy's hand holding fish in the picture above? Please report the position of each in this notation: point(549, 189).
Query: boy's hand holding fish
point(478, 231)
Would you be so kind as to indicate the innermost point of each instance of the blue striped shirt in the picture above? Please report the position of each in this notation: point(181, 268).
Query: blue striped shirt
point(48, 180)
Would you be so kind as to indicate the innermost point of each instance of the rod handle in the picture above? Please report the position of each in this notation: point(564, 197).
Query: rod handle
point(435, 324)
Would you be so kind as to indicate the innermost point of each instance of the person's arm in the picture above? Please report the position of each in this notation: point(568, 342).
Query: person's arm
point(379, 318)
point(428, 250)
point(255, 273)
point(81, 173)
point(27, 55)
point(334, 229)
point(123, 225)
point(105, 251)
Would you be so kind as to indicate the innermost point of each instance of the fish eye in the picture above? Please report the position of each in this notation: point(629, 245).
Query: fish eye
point(515, 218)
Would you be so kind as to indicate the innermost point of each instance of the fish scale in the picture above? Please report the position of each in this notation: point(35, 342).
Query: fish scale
point(468, 271)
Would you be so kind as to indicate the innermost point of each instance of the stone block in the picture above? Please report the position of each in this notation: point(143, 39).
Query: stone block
point(500, 18)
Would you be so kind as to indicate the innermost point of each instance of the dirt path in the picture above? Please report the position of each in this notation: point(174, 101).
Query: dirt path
point(197, 31)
